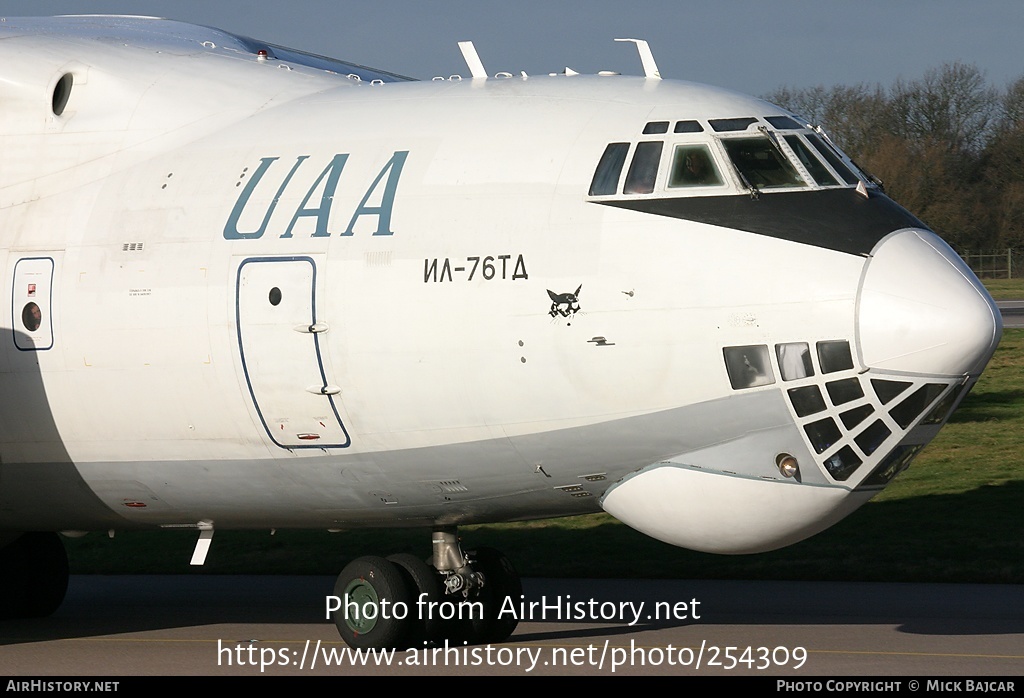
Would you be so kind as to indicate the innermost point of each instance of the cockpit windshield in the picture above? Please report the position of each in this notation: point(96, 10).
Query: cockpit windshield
point(761, 163)
point(722, 156)
point(813, 165)
point(833, 159)
point(693, 166)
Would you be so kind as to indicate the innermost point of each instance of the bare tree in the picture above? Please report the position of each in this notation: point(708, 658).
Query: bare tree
point(948, 145)
point(853, 115)
point(951, 105)
point(1012, 116)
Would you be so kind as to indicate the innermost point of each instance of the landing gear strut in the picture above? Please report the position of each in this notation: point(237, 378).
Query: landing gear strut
point(402, 601)
point(33, 576)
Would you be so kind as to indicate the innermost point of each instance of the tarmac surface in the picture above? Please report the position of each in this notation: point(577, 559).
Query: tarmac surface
point(1013, 313)
point(250, 625)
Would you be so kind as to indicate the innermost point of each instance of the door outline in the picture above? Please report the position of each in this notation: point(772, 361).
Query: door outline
point(15, 303)
point(316, 344)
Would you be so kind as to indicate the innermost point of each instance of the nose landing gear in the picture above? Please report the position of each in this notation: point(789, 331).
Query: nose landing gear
point(402, 601)
point(371, 590)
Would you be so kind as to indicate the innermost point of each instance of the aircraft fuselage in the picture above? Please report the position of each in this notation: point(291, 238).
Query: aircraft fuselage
point(274, 296)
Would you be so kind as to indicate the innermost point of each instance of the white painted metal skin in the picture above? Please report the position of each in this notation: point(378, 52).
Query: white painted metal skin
point(417, 367)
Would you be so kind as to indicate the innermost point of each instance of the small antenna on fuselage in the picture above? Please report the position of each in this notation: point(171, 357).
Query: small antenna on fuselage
point(646, 58)
point(476, 66)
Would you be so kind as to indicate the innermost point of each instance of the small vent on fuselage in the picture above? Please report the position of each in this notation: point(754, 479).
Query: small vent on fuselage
point(132, 246)
point(378, 259)
point(574, 490)
point(452, 486)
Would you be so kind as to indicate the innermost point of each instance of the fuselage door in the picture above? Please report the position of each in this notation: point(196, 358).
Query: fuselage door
point(31, 304)
point(279, 342)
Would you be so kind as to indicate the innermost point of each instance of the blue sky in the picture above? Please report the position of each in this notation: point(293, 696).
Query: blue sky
point(749, 45)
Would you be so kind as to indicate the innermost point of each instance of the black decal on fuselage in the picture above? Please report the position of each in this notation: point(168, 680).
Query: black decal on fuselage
point(836, 219)
point(565, 304)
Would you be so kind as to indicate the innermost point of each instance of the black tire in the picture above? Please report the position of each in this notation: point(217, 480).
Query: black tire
point(425, 584)
point(33, 576)
point(501, 582)
point(373, 583)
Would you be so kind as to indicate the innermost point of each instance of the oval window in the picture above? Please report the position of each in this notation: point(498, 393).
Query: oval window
point(31, 317)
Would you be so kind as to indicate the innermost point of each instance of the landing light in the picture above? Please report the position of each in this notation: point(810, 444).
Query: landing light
point(787, 465)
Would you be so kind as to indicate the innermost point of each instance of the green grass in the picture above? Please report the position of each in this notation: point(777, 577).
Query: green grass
point(954, 516)
point(1005, 289)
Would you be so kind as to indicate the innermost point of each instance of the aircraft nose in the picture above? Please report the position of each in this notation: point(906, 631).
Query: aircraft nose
point(922, 310)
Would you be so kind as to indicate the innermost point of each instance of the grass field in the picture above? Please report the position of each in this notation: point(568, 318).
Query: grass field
point(954, 516)
point(1005, 289)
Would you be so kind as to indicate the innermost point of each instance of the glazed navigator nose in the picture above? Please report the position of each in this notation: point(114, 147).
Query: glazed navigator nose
point(921, 309)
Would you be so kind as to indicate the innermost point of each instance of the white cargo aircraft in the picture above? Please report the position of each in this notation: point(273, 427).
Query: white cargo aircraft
point(253, 288)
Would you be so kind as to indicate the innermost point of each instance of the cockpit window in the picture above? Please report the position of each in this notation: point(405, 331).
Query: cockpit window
point(643, 171)
point(761, 163)
point(735, 154)
point(894, 464)
point(606, 177)
point(833, 160)
point(688, 127)
point(732, 124)
point(818, 171)
point(783, 123)
point(842, 463)
point(794, 360)
point(835, 356)
point(749, 366)
point(693, 166)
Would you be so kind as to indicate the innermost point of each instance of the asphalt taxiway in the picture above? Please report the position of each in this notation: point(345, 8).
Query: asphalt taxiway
point(1012, 312)
point(251, 625)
